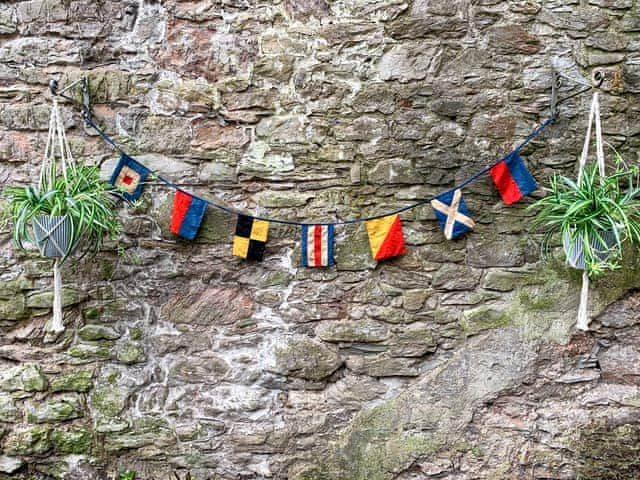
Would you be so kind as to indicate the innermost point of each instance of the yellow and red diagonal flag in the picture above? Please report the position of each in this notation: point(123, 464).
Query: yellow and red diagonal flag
point(385, 237)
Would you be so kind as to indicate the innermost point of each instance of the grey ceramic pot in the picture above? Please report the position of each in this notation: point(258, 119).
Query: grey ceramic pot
point(575, 250)
point(52, 234)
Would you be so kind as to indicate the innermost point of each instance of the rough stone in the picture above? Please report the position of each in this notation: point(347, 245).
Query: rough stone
point(390, 436)
point(8, 409)
point(482, 252)
point(510, 39)
point(209, 371)
point(130, 353)
point(409, 62)
point(415, 340)
point(109, 400)
point(54, 411)
point(362, 128)
point(352, 331)
point(74, 441)
point(482, 318)
point(149, 431)
point(212, 306)
point(44, 299)
point(10, 464)
point(352, 250)
point(89, 352)
point(620, 360)
point(80, 381)
point(621, 314)
point(318, 111)
point(8, 24)
point(13, 308)
point(302, 357)
point(392, 171)
point(97, 332)
point(382, 366)
point(28, 441)
point(27, 378)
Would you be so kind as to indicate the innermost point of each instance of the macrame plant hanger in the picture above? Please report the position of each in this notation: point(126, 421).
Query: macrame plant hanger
point(56, 140)
point(594, 118)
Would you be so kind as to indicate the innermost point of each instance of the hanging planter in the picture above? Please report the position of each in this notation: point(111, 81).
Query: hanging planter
point(71, 208)
point(52, 234)
point(597, 215)
point(600, 242)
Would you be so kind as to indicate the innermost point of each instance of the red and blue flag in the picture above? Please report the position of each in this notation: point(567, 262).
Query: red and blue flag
point(187, 215)
point(512, 178)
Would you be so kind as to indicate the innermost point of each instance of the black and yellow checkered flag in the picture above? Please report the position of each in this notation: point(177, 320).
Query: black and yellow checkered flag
point(250, 238)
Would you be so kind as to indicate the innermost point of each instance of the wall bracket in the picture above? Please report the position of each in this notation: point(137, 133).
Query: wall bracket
point(85, 104)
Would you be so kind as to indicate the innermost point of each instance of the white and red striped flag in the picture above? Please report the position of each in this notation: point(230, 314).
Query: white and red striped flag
point(317, 245)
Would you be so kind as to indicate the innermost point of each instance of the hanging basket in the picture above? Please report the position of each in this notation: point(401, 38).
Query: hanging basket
point(53, 235)
point(575, 250)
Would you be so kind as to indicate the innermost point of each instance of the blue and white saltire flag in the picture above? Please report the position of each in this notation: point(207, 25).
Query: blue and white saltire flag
point(452, 213)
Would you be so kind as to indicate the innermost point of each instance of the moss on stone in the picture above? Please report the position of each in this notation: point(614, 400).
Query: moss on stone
point(483, 318)
point(377, 448)
point(44, 299)
point(80, 381)
point(92, 313)
point(28, 441)
point(94, 333)
point(89, 352)
point(130, 353)
point(13, 308)
point(8, 410)
point(54, 411)
point(270, 279)
point(135, 333)
point(106, 269)
point(109, 400)
point(76, 441)
point(546, 306)
point(535, 303)
point(27, 377)
point(467, 447)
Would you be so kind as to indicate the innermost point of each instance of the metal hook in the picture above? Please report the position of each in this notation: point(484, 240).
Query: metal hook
point(597, 79)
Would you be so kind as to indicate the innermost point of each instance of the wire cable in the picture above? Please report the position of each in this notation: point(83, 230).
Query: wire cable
point(234, 211)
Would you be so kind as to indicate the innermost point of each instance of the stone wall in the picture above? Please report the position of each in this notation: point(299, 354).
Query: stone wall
point(456, 361)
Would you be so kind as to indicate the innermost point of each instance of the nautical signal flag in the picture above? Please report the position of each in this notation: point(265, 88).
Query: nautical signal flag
point(452, 213)
point(317, 245)
point(251, 238)
point(385, 237)
point(512, 178)
point(188, 212)
point(129, 177)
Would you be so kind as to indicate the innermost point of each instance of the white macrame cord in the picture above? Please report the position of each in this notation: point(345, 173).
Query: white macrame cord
point(54, 229)
point(594, 117)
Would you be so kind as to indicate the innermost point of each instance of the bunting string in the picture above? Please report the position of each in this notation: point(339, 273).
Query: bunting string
point(489, 169)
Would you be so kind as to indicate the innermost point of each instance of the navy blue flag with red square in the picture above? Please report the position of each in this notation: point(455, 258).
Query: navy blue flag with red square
point(129, 177)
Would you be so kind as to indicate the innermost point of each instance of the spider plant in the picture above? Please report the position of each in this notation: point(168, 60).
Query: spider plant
point(80, 194)
point(596, 215)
